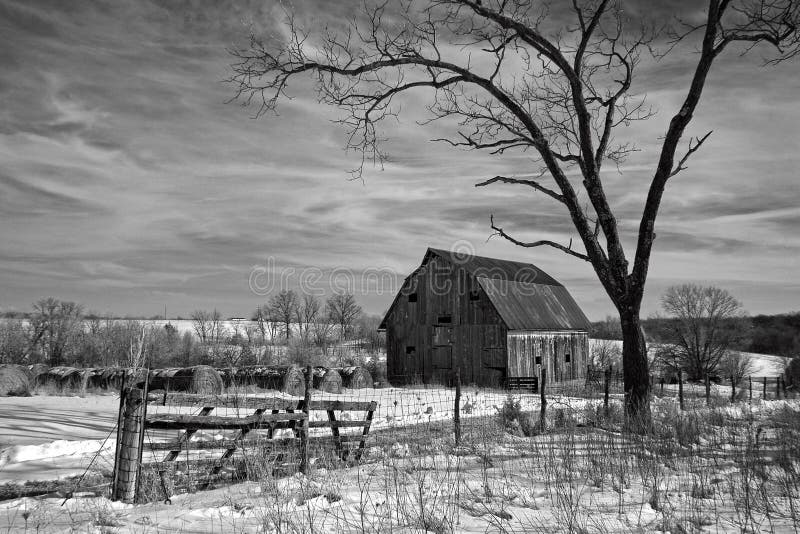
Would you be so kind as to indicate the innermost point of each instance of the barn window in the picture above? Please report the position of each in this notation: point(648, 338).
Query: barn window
point(474, 295)
point(410, 349)
point(412, 297)
point(566, 358)
point(444, 319)
point(538, 360)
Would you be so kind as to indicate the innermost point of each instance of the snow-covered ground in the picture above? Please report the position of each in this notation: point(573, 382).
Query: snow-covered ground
point(563, 482)
point(762, 364)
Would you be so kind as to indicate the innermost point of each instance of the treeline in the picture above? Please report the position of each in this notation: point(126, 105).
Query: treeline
point(765, 334)
point(288, 328)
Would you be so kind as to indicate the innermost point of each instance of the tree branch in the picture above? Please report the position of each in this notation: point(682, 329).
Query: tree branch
point(531, 183)
point(692, 149)
point(544, 242)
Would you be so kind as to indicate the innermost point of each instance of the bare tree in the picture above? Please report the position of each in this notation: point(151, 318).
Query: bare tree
point(283, 307)
point(343, 311)
point(307, 314)
point(735, 365)
point(55, 324)
point(604, 353)
point(14, 341)
point(515, 78)
point(701, 329)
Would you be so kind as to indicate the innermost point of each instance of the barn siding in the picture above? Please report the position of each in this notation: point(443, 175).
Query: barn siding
point(476, 333)
point(525, 346)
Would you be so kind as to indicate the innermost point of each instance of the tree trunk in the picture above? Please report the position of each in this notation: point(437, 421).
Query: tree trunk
point(635, 369)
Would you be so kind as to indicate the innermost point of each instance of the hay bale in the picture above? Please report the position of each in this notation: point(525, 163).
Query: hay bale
point(290, 379)
point(355, 377)
point(64, 377)
point(24, 368)
point(327, 380)
point(200, 379)
point(14, 381)
point(93, 377)
point(228, 375)
point(111, 377)
point(36, 370)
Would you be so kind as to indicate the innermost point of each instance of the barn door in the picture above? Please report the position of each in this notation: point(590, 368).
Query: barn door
point(443, 357)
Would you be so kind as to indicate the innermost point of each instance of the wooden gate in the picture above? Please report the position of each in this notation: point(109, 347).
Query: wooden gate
point(143, 436)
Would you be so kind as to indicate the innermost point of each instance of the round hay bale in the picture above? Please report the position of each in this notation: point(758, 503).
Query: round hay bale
point(290, 379)
point(228, 375)
point(24, 368)
point(93, 377)
point(111, 377)
point(327, 380)
point(294, 382)
point(198, 379)
point(38, 369)
point(355, 377)
point(65, 377)
point(163, 379)
point(14, 381)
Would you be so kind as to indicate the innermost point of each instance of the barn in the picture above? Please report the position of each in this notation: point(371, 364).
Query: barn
point(492, 320)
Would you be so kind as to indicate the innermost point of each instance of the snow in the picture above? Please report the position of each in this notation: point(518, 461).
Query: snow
point(509, 483)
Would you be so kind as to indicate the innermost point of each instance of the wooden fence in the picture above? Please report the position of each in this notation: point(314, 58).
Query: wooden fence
point(256, 432)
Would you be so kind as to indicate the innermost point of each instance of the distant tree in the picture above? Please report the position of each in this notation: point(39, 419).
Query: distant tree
point(343, 311)
point(792, 373)
point(608, 328)
point(308, 310)
point(367, 330)
point(604, 353)
point(208, 326)
point(283, 307)
point(735, 365)
point(14, 341)
point(55, 324)
point(702, 328)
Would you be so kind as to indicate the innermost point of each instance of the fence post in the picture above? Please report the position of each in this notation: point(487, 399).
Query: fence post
point(708, 389)
point(733, 389)
point(778, 388)
point(764, 394)
point(127, 461)
point(750, 388)
point(680, 388)
point(304, 426)
point(606, 388)
point(543, 401)
point(783, 386)
point(457, 409)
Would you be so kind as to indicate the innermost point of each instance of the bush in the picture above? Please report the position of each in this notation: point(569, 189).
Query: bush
point(510, 412)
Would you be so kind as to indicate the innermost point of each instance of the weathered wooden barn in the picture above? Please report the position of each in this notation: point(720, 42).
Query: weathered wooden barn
point(491, 319)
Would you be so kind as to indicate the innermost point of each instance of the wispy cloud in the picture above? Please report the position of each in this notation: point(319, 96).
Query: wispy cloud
point(127, 182)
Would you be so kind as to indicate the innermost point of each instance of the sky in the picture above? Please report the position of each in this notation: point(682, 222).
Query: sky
point(129, 182)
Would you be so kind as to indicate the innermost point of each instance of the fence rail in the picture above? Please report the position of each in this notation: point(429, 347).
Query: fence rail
point(255, 431)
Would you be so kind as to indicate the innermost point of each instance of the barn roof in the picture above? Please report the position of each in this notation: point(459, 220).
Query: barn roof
point(494, 268)
point(526, 297)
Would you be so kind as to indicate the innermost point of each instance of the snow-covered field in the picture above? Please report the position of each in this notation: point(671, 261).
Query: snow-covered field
point(586, 480)
point(762, 364)
point(570, 480)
